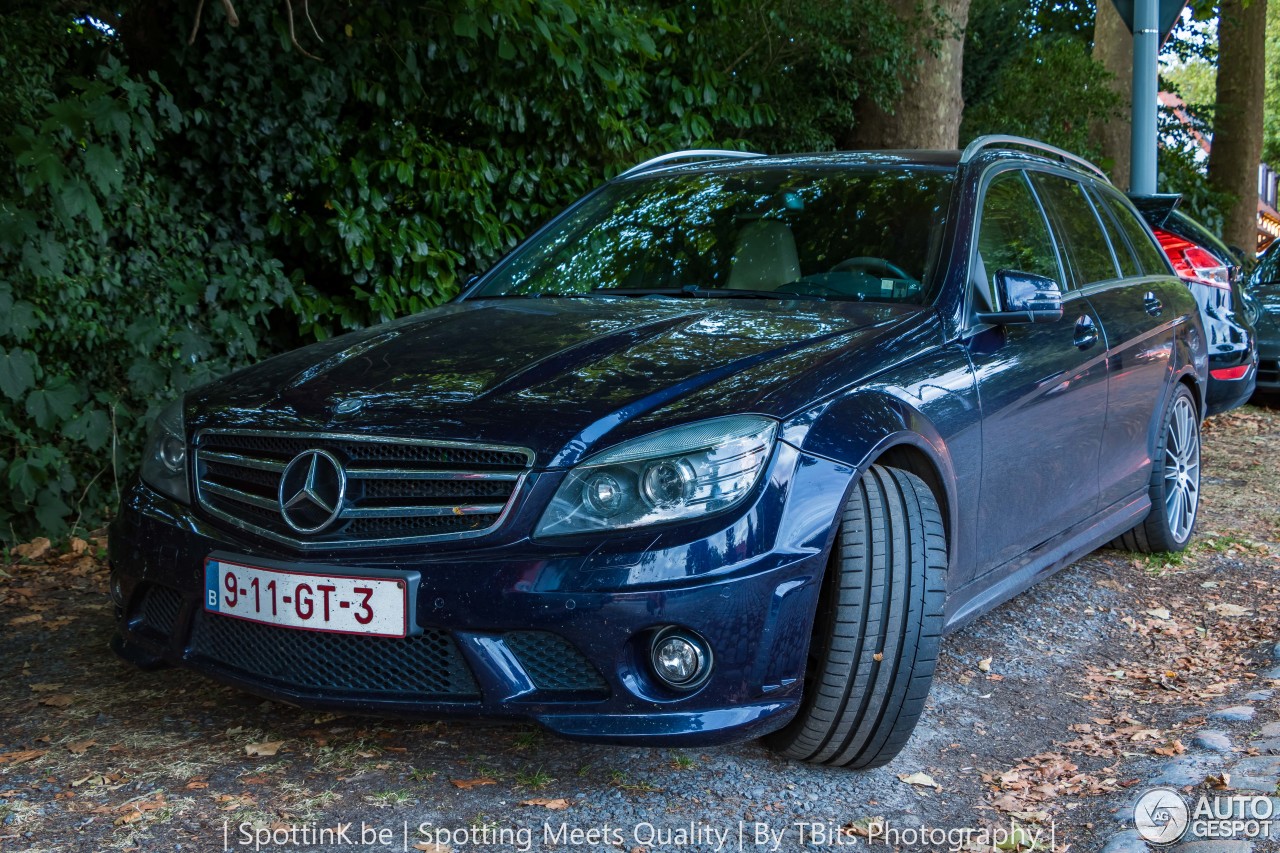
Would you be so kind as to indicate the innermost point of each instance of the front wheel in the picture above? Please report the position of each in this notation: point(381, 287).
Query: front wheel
point(878, 627)
point(1175, 482)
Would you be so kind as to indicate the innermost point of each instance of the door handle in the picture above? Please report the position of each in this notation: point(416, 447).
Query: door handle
point(1086, 332)
point(1153, 305)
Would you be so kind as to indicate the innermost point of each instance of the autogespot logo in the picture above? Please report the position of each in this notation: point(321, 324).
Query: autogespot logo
point(1161, 816)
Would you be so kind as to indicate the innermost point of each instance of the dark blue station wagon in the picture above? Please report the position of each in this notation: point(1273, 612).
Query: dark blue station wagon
point(720, 452)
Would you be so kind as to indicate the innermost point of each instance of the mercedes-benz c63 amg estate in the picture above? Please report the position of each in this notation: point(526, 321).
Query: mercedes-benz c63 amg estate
point(721, 452)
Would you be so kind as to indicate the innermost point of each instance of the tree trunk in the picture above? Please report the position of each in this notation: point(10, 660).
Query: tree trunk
point(1113, 49)
point(1237, 121)
point(927, 114)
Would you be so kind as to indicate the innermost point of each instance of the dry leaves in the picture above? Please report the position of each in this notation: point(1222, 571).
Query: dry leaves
point(21, 755)
point(864, 826)
point(923, 780)
point(58, 700)
point(468, 784)
point(557, 804)
point(80, 747)
point(432, 847)
point(33, 550)
point(263, 750)
point(1043, 780)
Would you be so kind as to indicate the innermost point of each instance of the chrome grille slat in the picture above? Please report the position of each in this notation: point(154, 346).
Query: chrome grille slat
point(237, 495)
point(422, 511)
point(408, 474)
point(399, 491)
point(245, 461)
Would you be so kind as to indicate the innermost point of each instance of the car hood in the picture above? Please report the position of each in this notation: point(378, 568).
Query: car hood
point(556, 375)
point(1267, 297)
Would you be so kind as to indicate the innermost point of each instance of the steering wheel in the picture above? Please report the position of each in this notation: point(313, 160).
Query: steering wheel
point(879, 267)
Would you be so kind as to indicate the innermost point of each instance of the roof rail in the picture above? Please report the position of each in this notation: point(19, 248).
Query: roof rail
point(994, 140)
point(693, 154)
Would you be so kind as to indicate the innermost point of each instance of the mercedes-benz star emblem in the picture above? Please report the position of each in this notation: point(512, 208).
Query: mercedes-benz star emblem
point(311, 491)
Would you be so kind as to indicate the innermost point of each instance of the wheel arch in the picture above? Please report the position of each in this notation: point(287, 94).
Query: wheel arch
point(893, 434)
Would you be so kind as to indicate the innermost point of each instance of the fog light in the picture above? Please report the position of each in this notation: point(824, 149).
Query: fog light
point(680, 659)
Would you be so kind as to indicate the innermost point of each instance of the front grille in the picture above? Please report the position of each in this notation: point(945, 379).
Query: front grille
point(158, 610)
point(427, 666)
point(553, 664)
point(397, 490)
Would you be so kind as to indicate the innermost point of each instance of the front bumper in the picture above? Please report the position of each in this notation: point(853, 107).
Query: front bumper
point(555, 634)
point(1269, 365)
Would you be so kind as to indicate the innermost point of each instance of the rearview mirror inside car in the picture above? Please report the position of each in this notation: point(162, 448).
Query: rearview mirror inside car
point(1025, 298)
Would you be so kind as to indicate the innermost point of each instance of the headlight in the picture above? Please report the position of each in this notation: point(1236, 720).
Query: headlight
point(164, 465)
point(674, 474)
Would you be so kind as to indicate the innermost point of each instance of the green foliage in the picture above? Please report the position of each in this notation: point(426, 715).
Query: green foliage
point(109, 297)
point(1271, 103)
point(1017, 102)
point(1028, 70)
point(169, 212)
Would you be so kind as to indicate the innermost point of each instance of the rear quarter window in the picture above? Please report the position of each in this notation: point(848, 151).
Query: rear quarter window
point(1150, 257)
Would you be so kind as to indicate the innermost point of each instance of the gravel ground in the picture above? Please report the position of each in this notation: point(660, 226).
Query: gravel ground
point(1050, 714)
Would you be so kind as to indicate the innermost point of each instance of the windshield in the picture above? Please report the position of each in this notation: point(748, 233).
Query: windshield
point(860, 234)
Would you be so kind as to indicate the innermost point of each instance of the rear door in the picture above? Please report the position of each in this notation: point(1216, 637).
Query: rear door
point(1137, 313)
point(1043, 386)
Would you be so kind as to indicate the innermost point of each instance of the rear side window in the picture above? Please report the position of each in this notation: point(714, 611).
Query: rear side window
point(1119, 245)
point(1151, 259)
point(1087, 249)
point(1012, 235)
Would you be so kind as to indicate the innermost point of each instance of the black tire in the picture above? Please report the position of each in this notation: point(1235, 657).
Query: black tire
point(1174, 478)
point(878, 627)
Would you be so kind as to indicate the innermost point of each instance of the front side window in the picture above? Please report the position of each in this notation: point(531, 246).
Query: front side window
point(1087, 250)
point(858, 233)
point(1012, 235)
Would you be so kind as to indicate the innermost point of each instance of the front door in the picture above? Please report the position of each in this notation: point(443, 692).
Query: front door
point(1042, 386)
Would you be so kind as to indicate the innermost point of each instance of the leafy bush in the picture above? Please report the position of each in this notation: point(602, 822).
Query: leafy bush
point(170, 211)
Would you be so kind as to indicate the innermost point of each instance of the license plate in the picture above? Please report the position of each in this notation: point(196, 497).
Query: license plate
point(311, 601)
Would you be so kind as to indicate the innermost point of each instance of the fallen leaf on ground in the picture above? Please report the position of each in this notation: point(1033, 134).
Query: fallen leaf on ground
point(33, 550)
point(467, 784)
point(46, 687)
point(58, 700)
point(26, 620)
point(20, 756)
point(1230, 610)
point(432, 847)
point(1159, 613)
point(985, 665)
point(924, 780)
point(864, 826)
point(556, 804)
point(80, 747)
point(263, 750)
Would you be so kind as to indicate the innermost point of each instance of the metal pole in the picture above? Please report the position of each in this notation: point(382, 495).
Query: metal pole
point(1146, 47)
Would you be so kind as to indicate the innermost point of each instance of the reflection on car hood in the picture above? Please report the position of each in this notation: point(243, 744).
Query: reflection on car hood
point(538, 372)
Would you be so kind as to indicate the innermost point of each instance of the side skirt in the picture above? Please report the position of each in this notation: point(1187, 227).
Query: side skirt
point(1004, 582)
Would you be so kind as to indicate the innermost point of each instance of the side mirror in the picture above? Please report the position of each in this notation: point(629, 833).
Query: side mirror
point(1026, 298)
